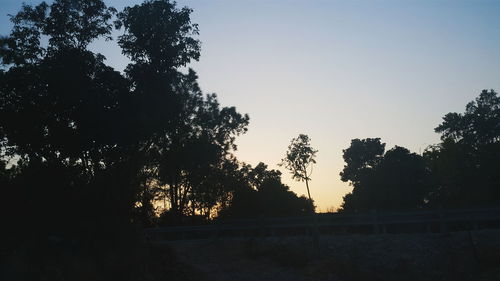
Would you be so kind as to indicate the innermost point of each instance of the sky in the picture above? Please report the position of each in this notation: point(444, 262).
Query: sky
point(336, 70)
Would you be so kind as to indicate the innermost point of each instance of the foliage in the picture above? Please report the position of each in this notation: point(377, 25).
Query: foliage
point(92, 148)
point(90, 151)
point(479, 125)
point(465, 163)
point(461, 171)
point(159, 35)
point(261, 193)
point(68, 24)
point(396, 180)
point(361, 157)
point(299, 157)
point(193, 157)
point(60, 113)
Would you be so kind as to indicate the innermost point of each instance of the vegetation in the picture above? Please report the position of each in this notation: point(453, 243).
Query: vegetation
point(262, 194)
point(299, 159)
point(396, 179)
point(90, 155)
point(91, 150)
point(461, 171)
point(146, 146)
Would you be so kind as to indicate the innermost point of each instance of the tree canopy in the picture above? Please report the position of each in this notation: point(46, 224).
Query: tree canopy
point(65, 112)
point(479, 125)
point(461, 171)
point(465, 163)
point(299, 159)
point(394, 180)
point(261, 193)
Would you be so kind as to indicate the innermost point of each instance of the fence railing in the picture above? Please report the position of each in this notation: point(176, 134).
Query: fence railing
point(439, 220)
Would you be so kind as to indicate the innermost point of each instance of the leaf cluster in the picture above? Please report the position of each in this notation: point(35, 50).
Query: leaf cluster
point(299, 158)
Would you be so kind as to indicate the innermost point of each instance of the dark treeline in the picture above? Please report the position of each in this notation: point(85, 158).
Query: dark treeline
point(88, 151)
point(461, 171)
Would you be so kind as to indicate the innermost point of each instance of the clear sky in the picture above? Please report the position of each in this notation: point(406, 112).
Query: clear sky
point(337, 70)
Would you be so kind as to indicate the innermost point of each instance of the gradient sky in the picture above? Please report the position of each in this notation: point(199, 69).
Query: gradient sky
point(337, 70)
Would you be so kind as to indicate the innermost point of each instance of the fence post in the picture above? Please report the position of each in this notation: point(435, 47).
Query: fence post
point(375, 222)
point(428, 228)
point(260, 227)
point(442, 221)
point(316, 231)
point(475, 225)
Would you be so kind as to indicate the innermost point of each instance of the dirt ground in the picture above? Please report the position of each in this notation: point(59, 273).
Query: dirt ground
point(411, 257)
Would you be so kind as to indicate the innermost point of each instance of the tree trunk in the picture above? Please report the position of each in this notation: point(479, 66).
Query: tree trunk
point(308, 193)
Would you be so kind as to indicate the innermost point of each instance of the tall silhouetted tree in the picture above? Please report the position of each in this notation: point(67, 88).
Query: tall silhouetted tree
point(188, 135)
point(465, 163)
point(299, 159)
point(62, 120)
point(91, 143)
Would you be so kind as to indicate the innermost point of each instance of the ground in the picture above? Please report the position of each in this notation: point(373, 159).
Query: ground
point(451, 256)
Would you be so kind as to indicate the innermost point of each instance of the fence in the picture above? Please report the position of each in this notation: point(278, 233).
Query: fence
point(332, 223)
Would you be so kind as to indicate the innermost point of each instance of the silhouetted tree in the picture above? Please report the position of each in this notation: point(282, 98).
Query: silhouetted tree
point(260, 192)
point(299, 158)
point(100, 146)
point(188, 135)
point(60, 113)
point(395, 180)
point(62, 104)
point(479, 125)
point(361, 158)
point(465, 163)
point(460, 171)
point(158, 38)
